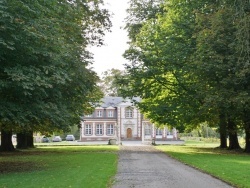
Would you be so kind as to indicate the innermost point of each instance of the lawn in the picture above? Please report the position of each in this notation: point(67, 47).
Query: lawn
point(232, 167)
point(60, 166)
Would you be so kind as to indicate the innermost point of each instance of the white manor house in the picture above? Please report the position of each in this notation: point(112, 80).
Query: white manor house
point(118, 118)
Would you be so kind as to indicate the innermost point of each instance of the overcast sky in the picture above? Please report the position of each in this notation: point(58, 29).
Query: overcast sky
point(110, 55)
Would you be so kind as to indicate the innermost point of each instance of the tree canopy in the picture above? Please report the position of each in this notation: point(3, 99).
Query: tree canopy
point(187, 63)
point(44, 79)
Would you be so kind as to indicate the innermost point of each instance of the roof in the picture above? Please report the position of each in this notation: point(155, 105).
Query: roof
point(115, 101)
point(111, 101)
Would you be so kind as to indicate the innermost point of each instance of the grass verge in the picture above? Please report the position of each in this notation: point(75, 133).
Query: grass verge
point(232, 167)
point(80, 166)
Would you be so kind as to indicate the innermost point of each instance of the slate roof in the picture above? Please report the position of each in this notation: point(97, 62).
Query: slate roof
point(114, 101)
point(111, 101)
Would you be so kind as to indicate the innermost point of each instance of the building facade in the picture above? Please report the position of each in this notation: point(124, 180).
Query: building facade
point(118, 118)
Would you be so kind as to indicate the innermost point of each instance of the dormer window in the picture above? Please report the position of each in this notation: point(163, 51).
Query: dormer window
point(99, 113)
point(110, 113)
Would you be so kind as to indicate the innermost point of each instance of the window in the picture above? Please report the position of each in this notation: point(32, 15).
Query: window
point(99, 129)
point(88, 129)
point(158, 132)
point(147, 130)
point(110, 113)
point(129, 113)
point(89, 115)
point(169, 133)
point(99, 113)
point(110, 129)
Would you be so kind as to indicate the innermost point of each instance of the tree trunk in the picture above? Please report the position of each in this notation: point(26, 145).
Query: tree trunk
point(223, 131)
point(21, 141)
point(6, 141)
point(247, 132)
point(30, 140)
point(233, 137)
point(25, 140)
point(247, 129)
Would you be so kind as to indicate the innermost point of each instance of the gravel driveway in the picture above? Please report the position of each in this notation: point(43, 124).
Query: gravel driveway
point(146, 167)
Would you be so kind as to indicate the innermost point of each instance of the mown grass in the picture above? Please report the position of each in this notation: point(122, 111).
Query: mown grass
point(230, 166)
point(80, 166)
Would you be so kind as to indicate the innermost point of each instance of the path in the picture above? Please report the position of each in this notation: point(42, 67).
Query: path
point(145, 167)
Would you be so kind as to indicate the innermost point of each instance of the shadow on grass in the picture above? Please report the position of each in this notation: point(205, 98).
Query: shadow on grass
point(19, 166)
point(218, 150)
point(22, 161)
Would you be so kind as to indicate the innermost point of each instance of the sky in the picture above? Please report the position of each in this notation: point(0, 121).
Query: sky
point(115, 43)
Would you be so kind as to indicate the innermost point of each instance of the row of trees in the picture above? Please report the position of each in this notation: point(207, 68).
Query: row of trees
point(190, 64)
point(44, 80)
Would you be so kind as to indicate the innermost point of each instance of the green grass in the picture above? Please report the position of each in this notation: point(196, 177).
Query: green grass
point(63, 143)
point(80, 166)
point(232, 167)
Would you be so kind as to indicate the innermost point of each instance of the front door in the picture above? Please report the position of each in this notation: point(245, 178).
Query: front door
point(129, 133)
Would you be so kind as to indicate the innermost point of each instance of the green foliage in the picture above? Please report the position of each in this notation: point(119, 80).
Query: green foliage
point(159, 69)
point(140, 11)
point(189, 63)
point(44, 80)
point(202, 131)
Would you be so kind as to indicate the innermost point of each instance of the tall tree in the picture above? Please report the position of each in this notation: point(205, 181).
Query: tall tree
point(217, 62)
point(158, 72)
point(45, 82)
point(242, 9)
point(187, 63)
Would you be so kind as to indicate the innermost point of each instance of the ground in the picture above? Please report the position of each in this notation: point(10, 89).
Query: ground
point(146, 167)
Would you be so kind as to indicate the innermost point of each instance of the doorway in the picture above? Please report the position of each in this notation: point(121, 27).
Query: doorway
point(129, 133)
